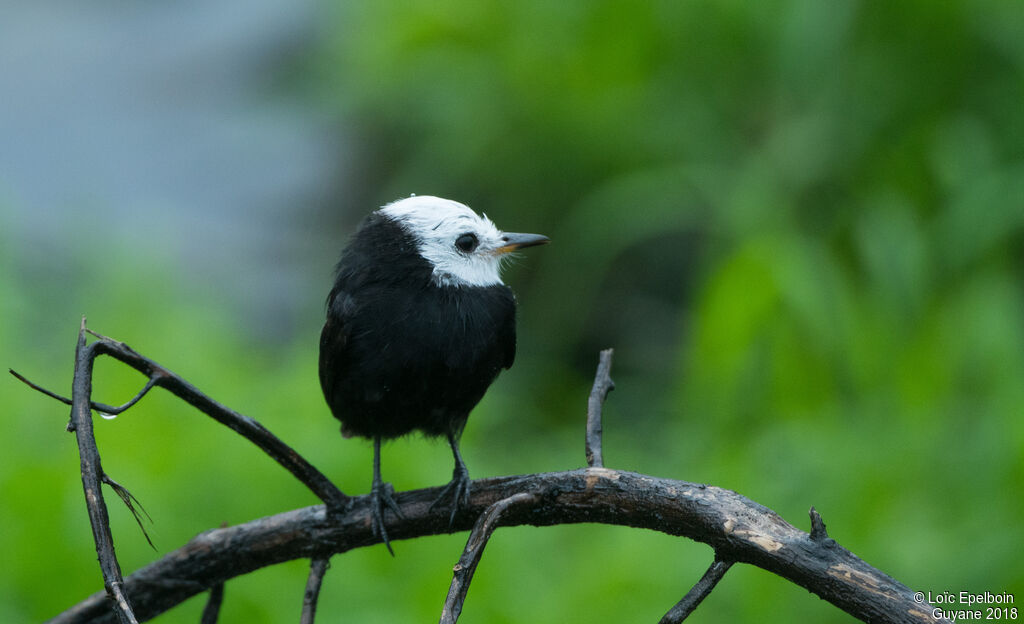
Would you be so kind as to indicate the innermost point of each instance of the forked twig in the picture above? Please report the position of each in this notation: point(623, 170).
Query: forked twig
point(603, 384)
point(478, 537)
point(92, 479)
point(93, 476)
point(157, 375)
point(697, 593)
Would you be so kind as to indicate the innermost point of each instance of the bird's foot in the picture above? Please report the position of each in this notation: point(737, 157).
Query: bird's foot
point(457, 490)
point(380, 495)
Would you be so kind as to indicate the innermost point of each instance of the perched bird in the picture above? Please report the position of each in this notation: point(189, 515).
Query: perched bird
point(418, 325)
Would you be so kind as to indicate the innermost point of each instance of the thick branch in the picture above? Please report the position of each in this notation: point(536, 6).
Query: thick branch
point(737, 528)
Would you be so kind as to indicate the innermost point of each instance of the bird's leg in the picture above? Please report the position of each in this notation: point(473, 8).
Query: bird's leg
point(458, 487)
point(380, 495)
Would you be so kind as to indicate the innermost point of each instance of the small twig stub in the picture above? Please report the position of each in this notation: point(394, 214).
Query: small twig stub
point(818, 531)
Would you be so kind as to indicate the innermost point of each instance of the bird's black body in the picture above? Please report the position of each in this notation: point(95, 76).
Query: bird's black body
point(419, 324)
point(400, 352)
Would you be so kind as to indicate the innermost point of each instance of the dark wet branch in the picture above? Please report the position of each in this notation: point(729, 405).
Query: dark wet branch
point(211, 612)
point(110, 410)
point(317, 568)
point(157, 375)
point(92, 481)
point(93, 476)
point(697, 593)
point(738, 529)
point(603, 384)
point(478, 538)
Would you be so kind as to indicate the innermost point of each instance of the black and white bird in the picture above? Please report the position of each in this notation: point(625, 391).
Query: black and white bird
point(418, 325)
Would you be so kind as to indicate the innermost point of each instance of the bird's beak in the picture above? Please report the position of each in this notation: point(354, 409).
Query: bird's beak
point(514, 241)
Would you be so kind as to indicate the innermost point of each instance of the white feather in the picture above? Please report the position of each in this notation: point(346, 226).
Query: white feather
point(436, 224)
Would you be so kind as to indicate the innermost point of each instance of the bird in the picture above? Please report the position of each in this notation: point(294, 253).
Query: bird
point(419, 324)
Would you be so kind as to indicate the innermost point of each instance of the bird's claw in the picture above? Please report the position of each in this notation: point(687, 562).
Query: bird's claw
point(458, 490)
point(380, 495)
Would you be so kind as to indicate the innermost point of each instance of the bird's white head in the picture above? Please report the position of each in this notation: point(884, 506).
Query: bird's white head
point(465, 249)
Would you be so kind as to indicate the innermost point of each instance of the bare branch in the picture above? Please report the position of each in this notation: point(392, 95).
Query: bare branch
point(111, 410)
point(157, 375)
point(96, 405)
point(697, 593)
point(603, 384)
point(478, 538)
point(38, 388)
point(256, 433)
point(737, 528)
point(211, 612)
point(92, 480)
point(93, 476)
point(317, 568)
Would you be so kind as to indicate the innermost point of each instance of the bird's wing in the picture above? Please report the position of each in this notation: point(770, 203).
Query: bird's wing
point(333, 339)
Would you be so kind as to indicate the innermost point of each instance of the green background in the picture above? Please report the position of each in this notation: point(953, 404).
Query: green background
point(800, 224)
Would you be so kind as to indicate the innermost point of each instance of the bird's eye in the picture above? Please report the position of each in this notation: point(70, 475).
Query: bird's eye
point(467, 242)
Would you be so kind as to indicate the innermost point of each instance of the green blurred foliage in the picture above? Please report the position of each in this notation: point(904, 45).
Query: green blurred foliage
point(801, 224)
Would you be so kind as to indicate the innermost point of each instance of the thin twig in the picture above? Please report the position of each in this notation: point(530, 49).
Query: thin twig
point(157, 375)
point(697, 593)
point(211, 612)
point(37, 387)
point(603, 384)
point(110, 410)
point(92, 479)
point(464, 569)
point(131, 502)
point(317, 569)
point(253, 431)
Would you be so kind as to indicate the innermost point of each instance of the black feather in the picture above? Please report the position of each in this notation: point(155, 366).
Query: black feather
point(399, 352)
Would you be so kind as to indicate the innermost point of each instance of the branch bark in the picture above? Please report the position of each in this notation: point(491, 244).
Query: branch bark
point(478, 538)
point(603, 384)
point(317, 569)
point(92, 480)
point(697, 593)
point(157, 375)
point(737, 528)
